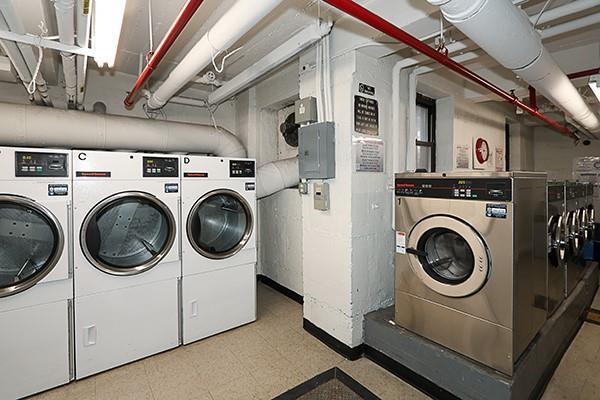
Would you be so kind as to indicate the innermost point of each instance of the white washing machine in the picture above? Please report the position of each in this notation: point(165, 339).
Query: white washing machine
point(127, 261)
point(36, 288)
point(219, 248)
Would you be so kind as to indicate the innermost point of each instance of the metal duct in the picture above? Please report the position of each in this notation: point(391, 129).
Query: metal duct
point(25, 125)
point(276, 176)
point(506, 33)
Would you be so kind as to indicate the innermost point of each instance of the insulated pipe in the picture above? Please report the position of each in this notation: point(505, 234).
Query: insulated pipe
point(185, 15)
point(14, 25)
point(65, 16)
point(375, 21)
point(276, 176)
point(49, 127)
point(237, 21)
point(519, 49)
point(14, 54)
point(83, 28)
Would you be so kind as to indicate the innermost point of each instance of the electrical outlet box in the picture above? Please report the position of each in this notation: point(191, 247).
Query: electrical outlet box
point(306, 110)
point(321, 196)
point(316, 148)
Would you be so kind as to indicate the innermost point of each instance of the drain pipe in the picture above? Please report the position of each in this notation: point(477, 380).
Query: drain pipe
point(65, 16)
point(237, 21)
point(375, 21)
point(519, 49)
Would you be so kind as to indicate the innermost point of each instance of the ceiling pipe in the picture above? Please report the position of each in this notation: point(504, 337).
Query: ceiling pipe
point(184, 17)
point(15, 25)
point(375, 21)
point(565, 10)
point(83, 28)
point(16, 58)
point(583, 74)
point(65, 17)
point(239, 19)
point(519, 49)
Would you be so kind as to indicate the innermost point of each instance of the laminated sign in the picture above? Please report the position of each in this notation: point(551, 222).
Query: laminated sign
point(401, 242)
point(369, 154)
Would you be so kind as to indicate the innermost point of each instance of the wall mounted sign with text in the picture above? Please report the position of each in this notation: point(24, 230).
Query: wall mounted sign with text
point(366, 116)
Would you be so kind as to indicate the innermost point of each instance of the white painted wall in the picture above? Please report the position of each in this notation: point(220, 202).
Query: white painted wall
point(460, 121)
point(554, 153)
point(280, 215)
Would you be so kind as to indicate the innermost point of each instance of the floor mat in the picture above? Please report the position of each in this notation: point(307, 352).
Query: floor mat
point(333, 384)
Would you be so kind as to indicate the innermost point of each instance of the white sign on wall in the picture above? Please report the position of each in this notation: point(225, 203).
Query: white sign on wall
point(369, 154)
point(462, 156)
point(481, 153)
point(499, 159)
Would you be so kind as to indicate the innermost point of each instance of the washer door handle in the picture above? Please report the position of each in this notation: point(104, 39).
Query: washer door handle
point(416, 252)
point(89, 335)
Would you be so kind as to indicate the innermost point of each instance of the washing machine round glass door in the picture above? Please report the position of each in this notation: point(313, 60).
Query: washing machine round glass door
point(31, 243)
point(583, 223)
point(448, 255)
point(557, 252)
point(220, 224)
point(128, 233)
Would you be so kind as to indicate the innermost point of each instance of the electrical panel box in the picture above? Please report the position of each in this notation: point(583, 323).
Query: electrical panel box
point(316, 148)
point(306, 110)
point(321, 196)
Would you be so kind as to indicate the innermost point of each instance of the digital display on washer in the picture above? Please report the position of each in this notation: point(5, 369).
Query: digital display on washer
point(241, 169)
point(465, 189)
point(556, 192)
point(161, 167)
point(30, 164)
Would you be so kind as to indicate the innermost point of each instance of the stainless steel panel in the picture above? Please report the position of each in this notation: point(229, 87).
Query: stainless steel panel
point(483, 341)
point(555, 284)
point(530, 260)
point(495, 324)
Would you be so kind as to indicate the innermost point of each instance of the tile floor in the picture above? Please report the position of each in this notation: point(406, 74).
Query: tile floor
point(274, 354)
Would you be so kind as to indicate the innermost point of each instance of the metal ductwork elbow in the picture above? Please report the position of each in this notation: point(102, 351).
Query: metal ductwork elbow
point(505, 32)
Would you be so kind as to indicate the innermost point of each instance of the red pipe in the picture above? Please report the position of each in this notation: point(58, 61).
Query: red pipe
point(185, 15)
point(583, 74)
point(375, 21)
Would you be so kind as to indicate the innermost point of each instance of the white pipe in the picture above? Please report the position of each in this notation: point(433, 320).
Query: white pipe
point(519, 49)
point(237, 21)
point(271, 61)
point(186, 101)
point(14, 24)
point(65, 16)
point(327, 80)
point(82, 40)
point(49, 127)
point(570, 26)
point(276, 176)
point(14, 54)
point(565, 10)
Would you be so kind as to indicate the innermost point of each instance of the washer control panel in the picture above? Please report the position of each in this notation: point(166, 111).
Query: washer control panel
point(556, 193)
point(499, 189)
point(241, 169)
point(33, 164)
point(160, 167)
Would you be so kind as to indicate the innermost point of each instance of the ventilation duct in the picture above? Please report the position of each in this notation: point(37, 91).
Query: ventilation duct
point(25, 125)
point(506, 33)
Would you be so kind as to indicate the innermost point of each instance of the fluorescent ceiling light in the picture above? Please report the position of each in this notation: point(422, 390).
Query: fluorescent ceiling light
point(108, 20)
point(594, 83)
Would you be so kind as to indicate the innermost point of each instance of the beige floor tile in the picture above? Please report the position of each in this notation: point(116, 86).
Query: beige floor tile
point(179, 387)
point(243, 388)
point(596, 303)
point(375, 378)
point(80, 390)
point(129, 382)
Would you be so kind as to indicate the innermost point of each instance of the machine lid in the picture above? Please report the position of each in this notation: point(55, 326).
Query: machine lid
point(448, 256)
point(557, 251)
point(220, 224)
point(31, 243)
point(128, 233)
